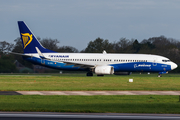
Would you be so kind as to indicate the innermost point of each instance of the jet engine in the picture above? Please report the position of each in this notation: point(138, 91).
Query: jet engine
point(104, 70)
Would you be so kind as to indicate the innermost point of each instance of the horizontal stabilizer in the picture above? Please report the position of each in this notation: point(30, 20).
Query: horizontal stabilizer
point(19, 54)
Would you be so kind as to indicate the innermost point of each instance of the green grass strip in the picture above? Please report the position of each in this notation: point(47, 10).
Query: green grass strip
point(81, 82)
point(91, 104)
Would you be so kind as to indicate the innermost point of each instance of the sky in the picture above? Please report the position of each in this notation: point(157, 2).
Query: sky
point(77, 22)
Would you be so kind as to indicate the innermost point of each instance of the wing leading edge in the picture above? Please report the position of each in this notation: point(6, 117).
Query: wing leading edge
point(76, 64)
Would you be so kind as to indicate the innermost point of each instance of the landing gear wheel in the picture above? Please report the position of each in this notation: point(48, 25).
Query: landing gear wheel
point(89, 74)
point(159, 75)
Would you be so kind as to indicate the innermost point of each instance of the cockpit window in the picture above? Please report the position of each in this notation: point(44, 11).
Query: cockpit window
point(166, 60)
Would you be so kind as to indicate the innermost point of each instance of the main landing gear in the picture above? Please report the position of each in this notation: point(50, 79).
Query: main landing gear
point(89, 74)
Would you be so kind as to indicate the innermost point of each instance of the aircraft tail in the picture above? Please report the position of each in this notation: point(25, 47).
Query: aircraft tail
point(29, 41)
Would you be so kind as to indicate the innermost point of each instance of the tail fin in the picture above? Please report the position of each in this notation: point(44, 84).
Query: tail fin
point(29, 41)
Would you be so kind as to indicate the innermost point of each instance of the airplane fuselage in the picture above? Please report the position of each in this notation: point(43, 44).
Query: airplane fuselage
point(120, 62)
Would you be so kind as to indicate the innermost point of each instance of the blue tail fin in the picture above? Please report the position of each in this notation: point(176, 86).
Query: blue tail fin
point(29, 41)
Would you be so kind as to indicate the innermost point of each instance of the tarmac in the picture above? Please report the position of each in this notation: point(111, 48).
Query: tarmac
point(85, 116)
point(89, 93)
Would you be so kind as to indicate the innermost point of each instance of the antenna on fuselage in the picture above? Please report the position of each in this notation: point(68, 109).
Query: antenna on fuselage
point(104, 52)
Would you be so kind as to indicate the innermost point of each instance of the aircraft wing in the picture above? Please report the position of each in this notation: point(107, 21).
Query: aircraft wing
point(81, 65)
point(76, 64)
point(19, 54)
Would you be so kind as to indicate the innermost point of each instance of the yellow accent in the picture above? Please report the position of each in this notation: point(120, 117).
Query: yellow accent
point(27, 38)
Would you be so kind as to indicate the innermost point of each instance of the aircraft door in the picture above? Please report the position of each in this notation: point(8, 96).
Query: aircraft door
point(154, 61)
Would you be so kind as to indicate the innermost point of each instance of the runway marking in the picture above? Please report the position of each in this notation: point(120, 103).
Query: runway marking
point(92, 93)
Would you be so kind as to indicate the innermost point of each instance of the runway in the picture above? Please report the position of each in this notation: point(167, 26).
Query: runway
point(89, 92)
point(83, 116)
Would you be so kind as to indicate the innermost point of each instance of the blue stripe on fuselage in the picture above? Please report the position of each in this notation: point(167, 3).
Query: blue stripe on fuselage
point(141, 66)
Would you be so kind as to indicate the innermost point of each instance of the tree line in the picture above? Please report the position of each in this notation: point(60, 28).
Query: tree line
point(167, 47)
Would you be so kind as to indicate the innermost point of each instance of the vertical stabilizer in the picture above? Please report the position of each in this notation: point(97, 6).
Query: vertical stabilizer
point(29, 41)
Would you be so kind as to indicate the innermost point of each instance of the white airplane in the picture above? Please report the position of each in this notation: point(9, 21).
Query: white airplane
point(98, 63)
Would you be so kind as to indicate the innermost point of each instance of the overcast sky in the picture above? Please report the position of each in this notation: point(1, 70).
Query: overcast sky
point(76, 22)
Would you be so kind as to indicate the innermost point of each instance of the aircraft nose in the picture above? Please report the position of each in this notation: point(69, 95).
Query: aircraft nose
point(173, 66)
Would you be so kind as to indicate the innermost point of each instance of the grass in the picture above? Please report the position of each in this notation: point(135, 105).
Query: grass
point(70, 82)
point(91, 104)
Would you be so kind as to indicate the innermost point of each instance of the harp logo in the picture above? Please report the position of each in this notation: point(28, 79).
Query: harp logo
point(27, 38)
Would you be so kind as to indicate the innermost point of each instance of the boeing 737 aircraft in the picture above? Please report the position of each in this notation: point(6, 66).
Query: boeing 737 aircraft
point(98, 63)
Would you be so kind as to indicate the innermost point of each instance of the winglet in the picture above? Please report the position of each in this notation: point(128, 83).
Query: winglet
point(40, 54)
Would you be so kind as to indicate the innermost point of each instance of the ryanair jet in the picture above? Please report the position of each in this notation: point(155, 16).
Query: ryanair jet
point(98, 63)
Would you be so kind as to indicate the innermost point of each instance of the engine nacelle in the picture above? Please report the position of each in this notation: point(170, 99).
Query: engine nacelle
point(122, 73)
point(104, 70)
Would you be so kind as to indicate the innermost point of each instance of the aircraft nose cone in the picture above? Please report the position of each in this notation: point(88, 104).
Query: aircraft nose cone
point(173, 66)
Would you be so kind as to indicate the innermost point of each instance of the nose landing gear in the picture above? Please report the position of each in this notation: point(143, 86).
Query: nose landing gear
point(159, 75)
